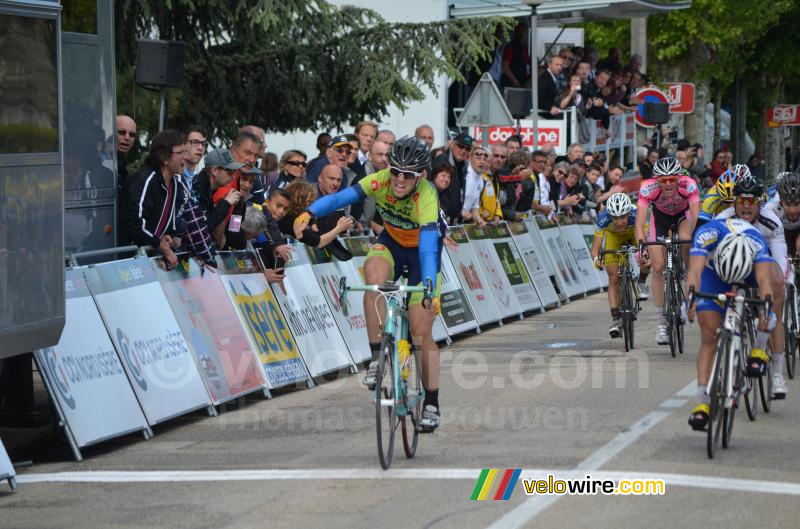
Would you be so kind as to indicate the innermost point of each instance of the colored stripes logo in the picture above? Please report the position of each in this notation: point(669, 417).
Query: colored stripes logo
point(495, 484)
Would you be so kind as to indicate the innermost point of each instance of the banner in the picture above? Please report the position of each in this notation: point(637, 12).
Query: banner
point(573, 236)
point(482, 244)
point(472, 279)
point(258, 311)
point(84, 374)
point(587, 229)
point(209, 322)
point(514, 268)
point(456, 313)
point(543, 282)
point(554, 245)
point(310, 319)
point(6, 468)
point(150, 344)
point(353, 327)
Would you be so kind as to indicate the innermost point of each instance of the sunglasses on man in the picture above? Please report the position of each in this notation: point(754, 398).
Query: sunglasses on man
point(408, 175)
point(747, 200)
point(667, 179)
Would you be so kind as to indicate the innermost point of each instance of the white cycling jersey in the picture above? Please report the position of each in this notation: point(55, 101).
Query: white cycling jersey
point(788, 225)
point(771, 228)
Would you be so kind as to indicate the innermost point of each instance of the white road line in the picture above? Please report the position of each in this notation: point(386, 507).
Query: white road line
point(468, 474)
point(672, 403)
point(689, 391)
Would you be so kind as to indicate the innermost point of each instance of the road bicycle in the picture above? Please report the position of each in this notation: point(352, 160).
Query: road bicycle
point(628, 292)
point(673, 291)
point(790, 322)
point(398, 393)
point(728, 381)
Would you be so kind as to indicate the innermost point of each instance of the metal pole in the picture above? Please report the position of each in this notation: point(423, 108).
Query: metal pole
point(534, 81)
point(162, 115)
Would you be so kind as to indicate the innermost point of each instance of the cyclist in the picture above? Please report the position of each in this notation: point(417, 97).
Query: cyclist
point(720, 197)
point(787, 209)
point(676, 203)
point(723, 253)
point(409, 206)
point(616, 224)
point(747, 206)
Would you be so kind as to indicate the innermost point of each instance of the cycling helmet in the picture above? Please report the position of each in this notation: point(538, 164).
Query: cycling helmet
point(734, 257)
point(667, 166)
point(409, 154)
point(619, 204)
point(748, 185)
point(740, 170)
point(789, 186)
point(725, 185)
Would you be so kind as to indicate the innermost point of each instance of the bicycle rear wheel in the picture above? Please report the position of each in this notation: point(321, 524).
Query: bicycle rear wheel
point(385, 393)
point(790, 324)
point(751, 385)
point(716, 396)
point(669, 301)
point(677, 318)
point(626, 310)
point(414, 399)
point(765, 388)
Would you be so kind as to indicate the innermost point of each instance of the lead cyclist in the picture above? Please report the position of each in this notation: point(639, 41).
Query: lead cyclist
point(409, 205)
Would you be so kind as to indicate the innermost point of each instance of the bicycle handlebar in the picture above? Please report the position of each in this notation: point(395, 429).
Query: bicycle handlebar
point(724, 296)
point(666, 242)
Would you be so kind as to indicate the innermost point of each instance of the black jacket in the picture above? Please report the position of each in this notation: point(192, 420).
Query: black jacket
point(452, 200)
point(547, 94)
point(204, 195)
point(148, 200)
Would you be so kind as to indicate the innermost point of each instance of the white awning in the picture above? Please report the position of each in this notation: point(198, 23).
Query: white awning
point(562, 12)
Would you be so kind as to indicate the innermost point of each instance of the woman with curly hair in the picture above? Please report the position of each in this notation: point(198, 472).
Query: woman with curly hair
point(301, 195)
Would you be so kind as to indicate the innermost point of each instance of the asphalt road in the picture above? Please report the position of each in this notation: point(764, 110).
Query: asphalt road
point(550, 394)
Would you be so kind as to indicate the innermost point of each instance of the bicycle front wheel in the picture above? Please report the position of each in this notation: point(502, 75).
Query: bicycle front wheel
point(669, 301)
point(765, 388)
point(415, 395)
point(626, 310)
point(790, 325)
point(385, 394)
point(717, 395)
point(730, 413)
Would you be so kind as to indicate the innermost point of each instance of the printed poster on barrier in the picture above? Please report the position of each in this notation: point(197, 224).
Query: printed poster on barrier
point(543, 281)
point(482, 244)
point(227, 362)
point(84, 374)
point(514, 268)
point(456, 312)
point(6, 468)
point(472, 277)
point(259, 313)
point(155, 355)
point(573, 236)
point(310, 319)
point(587, 229)
point(555, 246)
point(353, 327)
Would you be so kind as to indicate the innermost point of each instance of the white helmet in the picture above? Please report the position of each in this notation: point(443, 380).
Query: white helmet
point(619, 204)
point(734, 257)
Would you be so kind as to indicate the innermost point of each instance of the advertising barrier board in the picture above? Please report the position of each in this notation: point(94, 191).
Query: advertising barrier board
point(587, 229)
point(6, 468)
point(472, 278)
point(536, 266)
point(515, 270)
point(259, 313)
point(456, 313)
point(557, 249)
point(227, 362)
point(150, 344)
point(310, 319)
point(573, 236)
point(84, 375)
point(482, 244)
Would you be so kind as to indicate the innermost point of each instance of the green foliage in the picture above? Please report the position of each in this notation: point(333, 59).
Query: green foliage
point(607, 35)
point(298, 64)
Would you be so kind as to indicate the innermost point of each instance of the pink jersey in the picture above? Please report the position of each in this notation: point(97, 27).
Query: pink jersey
point(673, 204)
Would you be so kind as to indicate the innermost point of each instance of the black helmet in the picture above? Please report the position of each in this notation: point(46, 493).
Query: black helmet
point(410, 154)
point(748, 185)
point(789, 186)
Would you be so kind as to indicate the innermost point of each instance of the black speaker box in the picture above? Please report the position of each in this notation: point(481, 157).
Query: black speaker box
point(518, 101)
point(160, 62)
point(657, 113)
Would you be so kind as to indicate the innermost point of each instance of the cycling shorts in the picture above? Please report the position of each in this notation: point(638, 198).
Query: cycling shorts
point(405, 263)
point(661, 224)
point(710, 283)
point(614, 241)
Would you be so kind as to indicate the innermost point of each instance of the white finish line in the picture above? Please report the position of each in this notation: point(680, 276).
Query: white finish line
point(469, 474)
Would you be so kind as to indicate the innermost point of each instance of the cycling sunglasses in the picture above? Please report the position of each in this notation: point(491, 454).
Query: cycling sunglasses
point(667, 179)
point(406, 174)
point(747, 200)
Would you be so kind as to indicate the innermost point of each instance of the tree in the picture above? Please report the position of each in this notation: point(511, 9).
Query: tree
point(297, 64)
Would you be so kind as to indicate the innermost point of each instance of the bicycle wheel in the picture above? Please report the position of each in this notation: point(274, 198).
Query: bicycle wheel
point(765, 388)
point(751, 386)
point(790, 324)
point(414, 399)
point(669, 300)
point(385, 393)
point(626, 310)
point(679, 323)
point(730, 413)
point(716, 396)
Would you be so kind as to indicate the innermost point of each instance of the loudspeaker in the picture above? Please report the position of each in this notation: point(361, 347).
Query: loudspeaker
point(518, 101)
point(160, 62)
point(657, 113)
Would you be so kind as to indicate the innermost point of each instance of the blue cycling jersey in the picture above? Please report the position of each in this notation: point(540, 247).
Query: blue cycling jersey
point(710, 234)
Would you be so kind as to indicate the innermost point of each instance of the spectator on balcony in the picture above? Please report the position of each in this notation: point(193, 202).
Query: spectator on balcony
point(548, 87)
point(571, 97)
point(612, 63)
point(516, 63)
point(583, 70)
point(568, 65)
point(597, 108)
point(636, 63)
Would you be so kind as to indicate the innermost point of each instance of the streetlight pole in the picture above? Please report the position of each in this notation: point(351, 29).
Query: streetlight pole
point(534, 73)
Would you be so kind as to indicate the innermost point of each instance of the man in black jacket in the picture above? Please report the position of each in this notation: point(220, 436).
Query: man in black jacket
point(453, 198)
point(218, 171)
point(548, 88)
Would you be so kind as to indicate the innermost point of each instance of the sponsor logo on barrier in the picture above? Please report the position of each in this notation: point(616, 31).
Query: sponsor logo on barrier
point(311, 317)
point(132, 359)
point(59, 377)
point(130, 274)
point(356, 321)
point(266, 326)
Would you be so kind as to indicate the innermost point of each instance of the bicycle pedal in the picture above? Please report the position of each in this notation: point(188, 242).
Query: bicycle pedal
point(778, 396)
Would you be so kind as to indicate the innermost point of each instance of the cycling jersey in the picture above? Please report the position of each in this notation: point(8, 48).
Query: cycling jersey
point(791, 228)
point(615, 239)
point(412, 222)
point(770, 227)
point(711, 206)
point(672, 204)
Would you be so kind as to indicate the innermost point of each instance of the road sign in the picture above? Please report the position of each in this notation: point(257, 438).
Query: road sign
point(652, 95)
point(788, 115)
point(681, 98)
point(485, 106)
